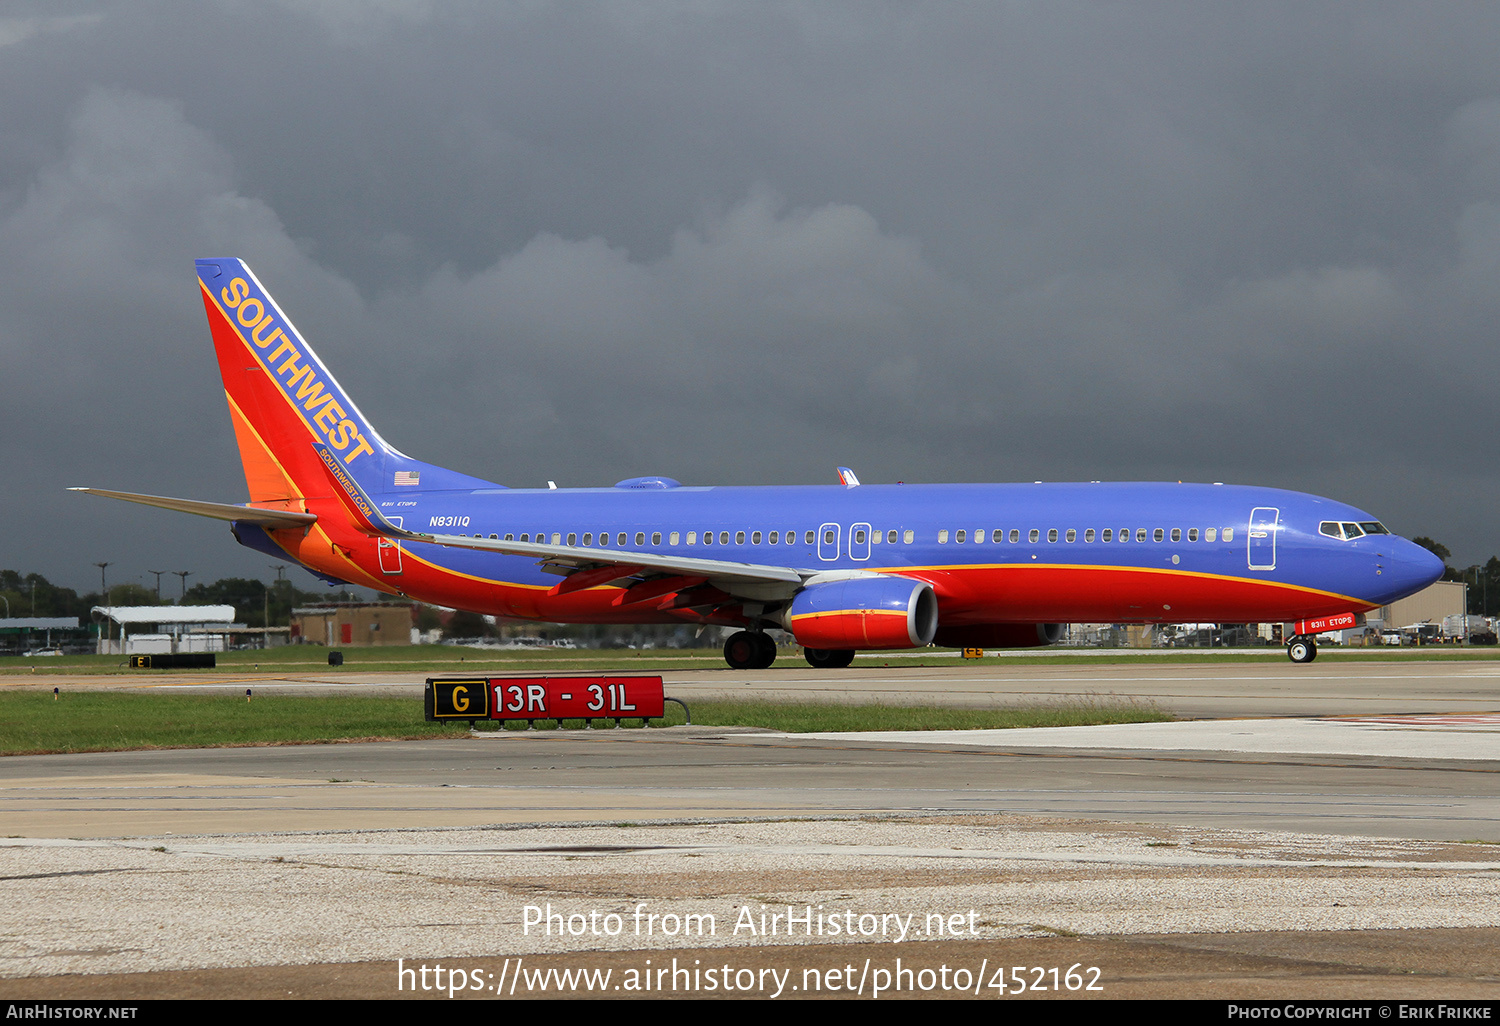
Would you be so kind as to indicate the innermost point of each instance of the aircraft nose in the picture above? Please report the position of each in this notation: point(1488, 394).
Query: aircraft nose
point(1412, 567)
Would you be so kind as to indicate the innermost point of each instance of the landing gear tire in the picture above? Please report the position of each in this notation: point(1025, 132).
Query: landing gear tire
point(829, 658)
point(1302, 650)
point(749, 650)
point(740, 650)
point(767, 653)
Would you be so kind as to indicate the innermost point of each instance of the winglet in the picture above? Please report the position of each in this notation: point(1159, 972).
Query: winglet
point(847, 478)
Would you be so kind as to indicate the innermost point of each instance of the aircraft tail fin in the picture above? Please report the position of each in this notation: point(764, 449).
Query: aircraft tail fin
point(281, 397)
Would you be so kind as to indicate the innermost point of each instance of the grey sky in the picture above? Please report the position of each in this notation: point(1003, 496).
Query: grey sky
point(744, 243)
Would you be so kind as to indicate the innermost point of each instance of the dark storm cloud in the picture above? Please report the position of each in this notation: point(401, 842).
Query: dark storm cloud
point(744, 243)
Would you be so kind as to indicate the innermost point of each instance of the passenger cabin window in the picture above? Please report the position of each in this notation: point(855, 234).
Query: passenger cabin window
point(739, 537)
point(1157, 535)
point(775, 537)
point(1140, 534)
point(943, 537)
point(1108, 535)
point(724, 537)
point(525, 537)
point(692, 537)
point(1192, 534)
point(510, 537)
point(909, 537)
point(675, 537)
point(859, 537)
point(1177, 534)
point(1229, 534)
point(1034, 535)
point(572, 538)
point(708, 537)
point(960, 536)
point(655, 537)
point(1015, 535)
point(640, 537)
point(620, 539)
point(1052, 534)
point(1210, 534)
point(809, 539)
point(997, 536)
point(556, 537)
point(1088, 536)
point(588, 539)
point(1072, 536)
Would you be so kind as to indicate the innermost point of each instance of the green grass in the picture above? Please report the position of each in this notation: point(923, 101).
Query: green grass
point(32, 722)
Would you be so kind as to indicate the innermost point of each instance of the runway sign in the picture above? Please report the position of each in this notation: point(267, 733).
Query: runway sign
point(173, 661)
point(467, 699)
point(544, 698)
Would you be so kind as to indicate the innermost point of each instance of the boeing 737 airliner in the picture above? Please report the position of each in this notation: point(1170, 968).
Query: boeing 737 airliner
point(842, 567)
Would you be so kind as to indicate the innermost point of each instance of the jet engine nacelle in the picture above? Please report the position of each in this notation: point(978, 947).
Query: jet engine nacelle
point(864, 612)
point(999, 635)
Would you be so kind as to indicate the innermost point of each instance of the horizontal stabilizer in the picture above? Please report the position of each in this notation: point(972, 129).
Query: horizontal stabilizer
point(218, 510)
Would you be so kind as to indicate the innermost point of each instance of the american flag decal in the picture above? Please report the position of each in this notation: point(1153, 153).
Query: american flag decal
point(408, 477)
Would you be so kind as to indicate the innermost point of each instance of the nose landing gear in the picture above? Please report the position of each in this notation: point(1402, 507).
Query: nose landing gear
point(1302, 649)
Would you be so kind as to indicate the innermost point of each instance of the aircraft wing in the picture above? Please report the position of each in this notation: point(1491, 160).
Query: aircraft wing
point(561, 559)
point(272, 518)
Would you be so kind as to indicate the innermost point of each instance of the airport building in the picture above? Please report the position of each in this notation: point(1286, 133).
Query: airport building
point(153, 630)
point(39, 635)
point(352, 624)
point(1430, 605)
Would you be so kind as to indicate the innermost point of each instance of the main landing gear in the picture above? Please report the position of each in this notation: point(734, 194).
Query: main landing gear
point(749, 650)
point(829, 658)
point(1301, 649)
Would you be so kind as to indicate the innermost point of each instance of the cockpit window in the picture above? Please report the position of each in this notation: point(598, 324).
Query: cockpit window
point(1348, 531)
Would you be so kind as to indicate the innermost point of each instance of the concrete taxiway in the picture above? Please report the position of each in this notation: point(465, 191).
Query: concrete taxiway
point(1196, 690)
point(1343, 797)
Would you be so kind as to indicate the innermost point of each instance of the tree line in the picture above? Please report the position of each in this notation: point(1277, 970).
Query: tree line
point(253, 601)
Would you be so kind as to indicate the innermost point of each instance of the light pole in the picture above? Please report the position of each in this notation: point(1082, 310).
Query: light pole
point(104, 591)
point(280, 569)
point(158, 574)
point(184, 574)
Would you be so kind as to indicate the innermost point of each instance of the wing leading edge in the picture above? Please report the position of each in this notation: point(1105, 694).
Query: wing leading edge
point(272, 518)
